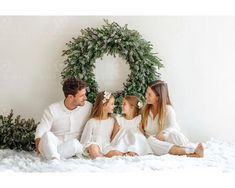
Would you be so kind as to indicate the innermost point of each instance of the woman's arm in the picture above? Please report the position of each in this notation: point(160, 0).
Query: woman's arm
point(170, 121)
point(160, 136)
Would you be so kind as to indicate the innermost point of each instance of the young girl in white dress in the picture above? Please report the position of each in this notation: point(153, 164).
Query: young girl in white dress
point(127, 138)
point(97, 133)
point(160, 125)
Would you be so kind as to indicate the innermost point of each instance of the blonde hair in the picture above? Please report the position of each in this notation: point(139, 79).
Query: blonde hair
point(133, 102)
point(160, 89)
point(97, 110)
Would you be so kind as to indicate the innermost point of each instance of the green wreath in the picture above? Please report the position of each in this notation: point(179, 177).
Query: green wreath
point(112, 39)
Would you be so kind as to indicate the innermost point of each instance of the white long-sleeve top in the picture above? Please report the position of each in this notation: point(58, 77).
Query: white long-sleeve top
point(64, 123)
point(151, 128)
point(98, 132)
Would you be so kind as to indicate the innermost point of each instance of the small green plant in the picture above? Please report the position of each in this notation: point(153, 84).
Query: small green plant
point(17, 133)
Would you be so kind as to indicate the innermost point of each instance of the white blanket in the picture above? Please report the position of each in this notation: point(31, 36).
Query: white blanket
point(219, 155)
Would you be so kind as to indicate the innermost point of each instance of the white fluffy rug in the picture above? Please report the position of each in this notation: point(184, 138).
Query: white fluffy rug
point(219, 156)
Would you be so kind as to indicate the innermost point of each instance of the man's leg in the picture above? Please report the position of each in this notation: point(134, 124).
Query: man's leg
point(70, 148)
point(48, 146)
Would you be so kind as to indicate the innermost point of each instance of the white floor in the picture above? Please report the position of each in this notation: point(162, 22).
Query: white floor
point(219, 156)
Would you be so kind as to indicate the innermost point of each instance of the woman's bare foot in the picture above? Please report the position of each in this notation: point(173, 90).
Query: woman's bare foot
point(199, 151)
point(130, 153)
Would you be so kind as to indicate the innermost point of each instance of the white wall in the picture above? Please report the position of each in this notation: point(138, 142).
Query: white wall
point(198, 54)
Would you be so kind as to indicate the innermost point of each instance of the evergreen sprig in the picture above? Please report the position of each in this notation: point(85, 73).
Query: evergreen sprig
point(17, 133)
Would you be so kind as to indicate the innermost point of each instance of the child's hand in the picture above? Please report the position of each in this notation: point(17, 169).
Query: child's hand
point(160, 136)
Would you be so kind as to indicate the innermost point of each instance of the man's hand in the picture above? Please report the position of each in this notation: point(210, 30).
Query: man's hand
point(36, 144)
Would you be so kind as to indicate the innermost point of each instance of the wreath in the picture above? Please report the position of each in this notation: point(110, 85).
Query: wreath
point(112, 39)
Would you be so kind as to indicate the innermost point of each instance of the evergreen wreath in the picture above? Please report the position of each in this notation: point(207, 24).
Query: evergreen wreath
point(112, 39)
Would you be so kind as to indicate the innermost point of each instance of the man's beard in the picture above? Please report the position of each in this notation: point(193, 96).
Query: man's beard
point(82, 103)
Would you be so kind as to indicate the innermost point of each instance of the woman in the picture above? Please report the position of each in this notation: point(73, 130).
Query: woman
point(160, 126)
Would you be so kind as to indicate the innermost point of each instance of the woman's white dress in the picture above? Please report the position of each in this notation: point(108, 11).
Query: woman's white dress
point(129, 138)
point(97, 132)
point(172, 134)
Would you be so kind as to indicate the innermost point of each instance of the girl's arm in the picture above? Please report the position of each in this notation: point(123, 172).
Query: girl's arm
point(86, 137)
point(116, 128)
point(141, 128)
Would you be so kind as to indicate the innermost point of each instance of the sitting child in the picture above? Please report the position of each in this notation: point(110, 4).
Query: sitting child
point(97, 133)
point(127, 137)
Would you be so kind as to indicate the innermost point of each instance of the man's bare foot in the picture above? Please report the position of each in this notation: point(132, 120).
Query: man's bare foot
point(199, 151)
point(131, 153)
point(54, 161)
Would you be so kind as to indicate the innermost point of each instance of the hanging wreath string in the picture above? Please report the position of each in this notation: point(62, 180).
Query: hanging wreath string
point(112, 39)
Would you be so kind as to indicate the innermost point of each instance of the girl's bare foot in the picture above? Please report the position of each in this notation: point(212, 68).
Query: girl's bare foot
point(95, 155)
point(130, 153)
point(113, 153)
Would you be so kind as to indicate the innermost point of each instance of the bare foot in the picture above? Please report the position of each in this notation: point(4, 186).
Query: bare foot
point(96, 155)
point(55, 158)
point(131, 153)
point(113, 153)
point(199, 151)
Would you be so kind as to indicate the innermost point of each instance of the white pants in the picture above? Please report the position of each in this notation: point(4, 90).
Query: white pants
point(172, 138)
point(175, 137)
point(51, 147)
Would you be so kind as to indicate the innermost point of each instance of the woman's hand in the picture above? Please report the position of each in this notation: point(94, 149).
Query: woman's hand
point(160, 136)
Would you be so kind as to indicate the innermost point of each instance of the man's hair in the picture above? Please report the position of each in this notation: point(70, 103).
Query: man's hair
point(72, 85)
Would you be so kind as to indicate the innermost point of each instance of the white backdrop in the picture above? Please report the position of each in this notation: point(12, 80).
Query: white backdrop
point(198, 54)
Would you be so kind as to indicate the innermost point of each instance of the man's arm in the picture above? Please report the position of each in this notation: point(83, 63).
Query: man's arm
point(43, 127)
point(37, 140)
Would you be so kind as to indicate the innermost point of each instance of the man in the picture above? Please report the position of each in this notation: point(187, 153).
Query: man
point(58, 134)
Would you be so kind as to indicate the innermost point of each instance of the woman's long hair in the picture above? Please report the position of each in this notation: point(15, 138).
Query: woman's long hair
point(160, 89)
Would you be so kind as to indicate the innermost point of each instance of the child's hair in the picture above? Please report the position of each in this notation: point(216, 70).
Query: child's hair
point(135, 103)
point(160, 89)
point(101, 100)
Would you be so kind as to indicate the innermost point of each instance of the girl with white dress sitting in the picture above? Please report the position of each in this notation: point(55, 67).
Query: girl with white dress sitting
point(97, 133)
point(127, 138)
point(160, 125)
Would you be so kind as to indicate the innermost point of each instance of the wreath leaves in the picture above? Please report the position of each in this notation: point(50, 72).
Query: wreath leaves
point(112, 39)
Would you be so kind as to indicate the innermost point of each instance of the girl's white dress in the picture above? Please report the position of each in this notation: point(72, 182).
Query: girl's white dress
point(97, 132)
point(129, 138)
